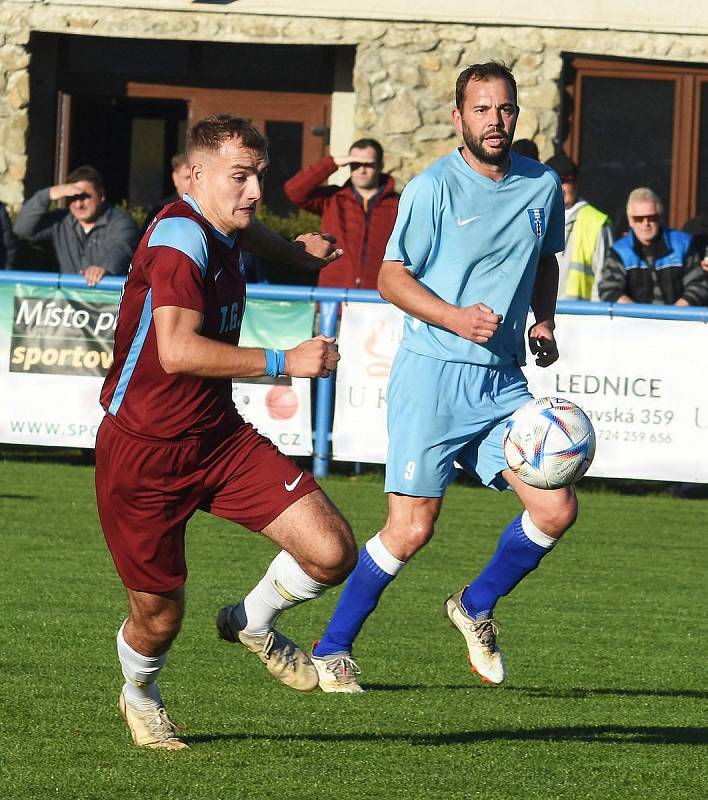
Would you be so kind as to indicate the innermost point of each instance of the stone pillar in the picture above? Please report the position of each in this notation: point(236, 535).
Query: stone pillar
point(14, 102)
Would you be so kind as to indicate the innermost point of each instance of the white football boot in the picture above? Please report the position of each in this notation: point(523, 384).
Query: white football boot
point(337, 672)
point(284, 660)
point(481, 636)
point(151, 728)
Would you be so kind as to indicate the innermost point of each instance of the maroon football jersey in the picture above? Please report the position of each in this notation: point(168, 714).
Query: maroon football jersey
point(181, 261)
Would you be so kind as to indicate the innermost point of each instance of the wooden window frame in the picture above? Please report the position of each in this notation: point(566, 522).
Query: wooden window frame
point(688, 80)
point(313, 110)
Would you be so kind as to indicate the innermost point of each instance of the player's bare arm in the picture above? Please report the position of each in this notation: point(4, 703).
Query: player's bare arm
point(310, 251)
point(478, 323)
point(183, 350)
point(542, 340)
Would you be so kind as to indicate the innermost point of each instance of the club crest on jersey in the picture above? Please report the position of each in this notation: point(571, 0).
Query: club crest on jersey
point(537, 217)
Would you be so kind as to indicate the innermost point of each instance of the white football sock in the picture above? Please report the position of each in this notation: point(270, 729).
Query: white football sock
point(140, 673)
point(536, 535)
point(284, 585)
point(383, 557)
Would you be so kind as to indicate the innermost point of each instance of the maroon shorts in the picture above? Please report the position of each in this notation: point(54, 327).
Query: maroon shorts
point(147, 489)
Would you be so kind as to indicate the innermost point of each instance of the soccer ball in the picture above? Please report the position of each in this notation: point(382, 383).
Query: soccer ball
point(549, 442)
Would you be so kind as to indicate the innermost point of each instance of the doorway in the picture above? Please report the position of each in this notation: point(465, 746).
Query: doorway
point(294, 123)
point(125, 105)
point(130, 140)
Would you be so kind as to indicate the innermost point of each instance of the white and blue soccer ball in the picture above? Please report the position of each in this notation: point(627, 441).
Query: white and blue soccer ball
point(549, 443)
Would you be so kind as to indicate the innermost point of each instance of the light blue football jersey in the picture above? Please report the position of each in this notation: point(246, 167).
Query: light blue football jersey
point(470, 240)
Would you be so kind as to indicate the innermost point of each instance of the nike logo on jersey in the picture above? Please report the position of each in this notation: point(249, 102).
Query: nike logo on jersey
point(462, 222)
point(289, 487)
point(216, 275)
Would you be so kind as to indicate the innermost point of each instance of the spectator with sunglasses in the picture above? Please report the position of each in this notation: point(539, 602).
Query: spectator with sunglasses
point(652, 263)
point(360, 214)
point(90, 237)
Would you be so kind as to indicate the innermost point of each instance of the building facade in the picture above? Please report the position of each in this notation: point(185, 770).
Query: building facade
point(116, 84)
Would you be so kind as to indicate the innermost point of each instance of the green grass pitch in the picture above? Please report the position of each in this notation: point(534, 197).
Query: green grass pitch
point(605, 648)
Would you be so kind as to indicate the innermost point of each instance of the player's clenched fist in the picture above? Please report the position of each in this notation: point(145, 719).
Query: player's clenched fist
point(320, 249)
point(478, 323)
point(315, 358)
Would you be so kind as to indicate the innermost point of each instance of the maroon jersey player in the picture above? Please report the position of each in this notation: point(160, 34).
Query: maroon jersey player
point(172, 441)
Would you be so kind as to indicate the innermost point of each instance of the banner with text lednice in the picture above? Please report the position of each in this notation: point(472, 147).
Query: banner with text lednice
point(56, 347)
point(643, 383)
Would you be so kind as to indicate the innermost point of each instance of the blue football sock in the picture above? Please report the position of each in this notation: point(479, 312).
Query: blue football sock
point(359, 598)
point(516, 555)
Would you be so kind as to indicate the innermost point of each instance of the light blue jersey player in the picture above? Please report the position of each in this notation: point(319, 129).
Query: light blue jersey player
point(472, 249)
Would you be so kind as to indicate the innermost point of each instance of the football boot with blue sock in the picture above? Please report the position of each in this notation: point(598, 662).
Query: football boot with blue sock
point(470, 610)
point(338, 672)
point(481, 637)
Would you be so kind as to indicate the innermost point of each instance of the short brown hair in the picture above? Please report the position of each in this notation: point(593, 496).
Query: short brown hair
point(360, 144)
point(89, 174)
point(211, 132)
point(482, 72)
point(179, 160)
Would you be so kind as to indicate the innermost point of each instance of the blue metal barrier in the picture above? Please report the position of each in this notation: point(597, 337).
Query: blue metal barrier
point(636, 310)
point(330, 301)
point(315, 294)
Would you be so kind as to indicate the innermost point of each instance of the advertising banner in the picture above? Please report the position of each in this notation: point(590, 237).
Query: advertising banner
point(644, 385)
point(368, 341)
point(280, 410)
point(639, 380)
point(56, 347)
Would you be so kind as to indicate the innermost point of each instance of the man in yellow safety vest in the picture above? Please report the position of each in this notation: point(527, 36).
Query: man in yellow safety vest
point(588, 236)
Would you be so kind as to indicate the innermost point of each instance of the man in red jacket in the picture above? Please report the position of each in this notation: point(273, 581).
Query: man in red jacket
point(359, 214)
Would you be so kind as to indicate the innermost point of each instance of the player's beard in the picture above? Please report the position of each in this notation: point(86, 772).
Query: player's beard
point(476, 147)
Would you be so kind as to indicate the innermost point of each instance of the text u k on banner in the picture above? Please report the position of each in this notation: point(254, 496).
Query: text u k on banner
point(641, 382)
point(56, 347)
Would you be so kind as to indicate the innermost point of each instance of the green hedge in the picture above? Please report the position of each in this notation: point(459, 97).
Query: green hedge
point(290, 226)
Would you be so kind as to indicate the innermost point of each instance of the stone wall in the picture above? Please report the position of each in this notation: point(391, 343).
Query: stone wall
point(404, 80)
point(404, 74)
point(14, 100)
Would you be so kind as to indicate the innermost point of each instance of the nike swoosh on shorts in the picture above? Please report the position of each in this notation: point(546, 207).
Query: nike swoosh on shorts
point(461, 221)
point(289, 487)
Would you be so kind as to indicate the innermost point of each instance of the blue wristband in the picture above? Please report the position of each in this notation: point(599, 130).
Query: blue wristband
point(280, 362)
point(271, 363)
point(275, 362)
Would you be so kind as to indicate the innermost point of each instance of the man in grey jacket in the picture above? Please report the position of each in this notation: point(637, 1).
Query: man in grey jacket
point(90, 237)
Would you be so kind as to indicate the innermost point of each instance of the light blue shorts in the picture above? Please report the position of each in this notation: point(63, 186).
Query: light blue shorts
point(441, 412)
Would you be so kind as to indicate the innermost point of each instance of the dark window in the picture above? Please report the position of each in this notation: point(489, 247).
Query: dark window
point(131, 141)
point(702, 207)
point(638, 123)
point(285, 149)
point(629, 146)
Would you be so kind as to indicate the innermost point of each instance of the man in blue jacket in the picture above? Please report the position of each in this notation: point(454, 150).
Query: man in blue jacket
point(653, 263)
